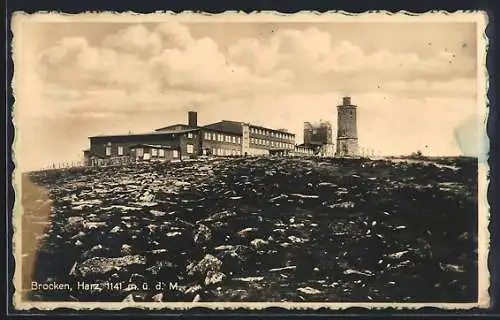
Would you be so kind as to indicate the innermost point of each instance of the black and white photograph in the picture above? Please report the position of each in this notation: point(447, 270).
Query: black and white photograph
point(308, 160)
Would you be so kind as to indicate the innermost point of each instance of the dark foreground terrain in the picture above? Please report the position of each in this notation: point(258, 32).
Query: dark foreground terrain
point(257, 229)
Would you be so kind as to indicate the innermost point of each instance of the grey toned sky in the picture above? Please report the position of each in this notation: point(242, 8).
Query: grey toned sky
point(414, 83)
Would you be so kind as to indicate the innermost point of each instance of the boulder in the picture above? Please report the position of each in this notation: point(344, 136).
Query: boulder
point(102, 266)
point(202, 234)
point(208, 263)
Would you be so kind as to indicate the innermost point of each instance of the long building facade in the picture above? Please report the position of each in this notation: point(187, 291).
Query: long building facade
point(186, 141)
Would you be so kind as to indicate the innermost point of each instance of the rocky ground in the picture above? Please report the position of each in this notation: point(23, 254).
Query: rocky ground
point(259, 229)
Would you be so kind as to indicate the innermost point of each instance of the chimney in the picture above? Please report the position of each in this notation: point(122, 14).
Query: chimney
point(346, 101)
point(192, 119)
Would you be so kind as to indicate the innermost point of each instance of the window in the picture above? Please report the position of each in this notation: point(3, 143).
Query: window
point(207, 136)
point(108, 151)
point(154, 152)
point(272, 143)
point(238, 140)
point(162, 153)
point(190, 148)
point(234, 139)
point(214, 151)
point(219, 152)
point(120, 150)
point(139, 152)
point(252, 140)
point(190, 135)
point(228, 138)
point(175, 153)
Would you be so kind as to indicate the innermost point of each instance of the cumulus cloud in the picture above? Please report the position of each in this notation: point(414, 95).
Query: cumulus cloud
point(168, 58)
point(313, 52)
point(163, 59)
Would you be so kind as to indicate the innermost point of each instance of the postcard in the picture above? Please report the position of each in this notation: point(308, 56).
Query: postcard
point(302, 161)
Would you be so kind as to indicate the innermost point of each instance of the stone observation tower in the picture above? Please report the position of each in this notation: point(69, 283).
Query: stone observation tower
point(347, 131)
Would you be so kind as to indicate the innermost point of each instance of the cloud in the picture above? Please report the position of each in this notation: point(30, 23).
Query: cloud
point(166, 58)
point(311, 54)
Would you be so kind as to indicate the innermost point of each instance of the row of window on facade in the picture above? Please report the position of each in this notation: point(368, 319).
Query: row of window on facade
point(154, 152)
point(225, 152)
point(304, 150)
point(264, 142)
point(139, 152)
point(222, 138)
point(272, 134)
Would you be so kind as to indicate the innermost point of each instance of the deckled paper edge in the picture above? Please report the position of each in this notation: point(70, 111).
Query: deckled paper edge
point(480, 17)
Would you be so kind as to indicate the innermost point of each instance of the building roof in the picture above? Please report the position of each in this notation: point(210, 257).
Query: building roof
point(285, 131)
point(171, 127)
point(236, 127)
point(213, 127)
point(226, 126)
point(153, 133)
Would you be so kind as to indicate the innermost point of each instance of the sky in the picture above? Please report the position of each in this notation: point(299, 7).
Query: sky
point(415, 84)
